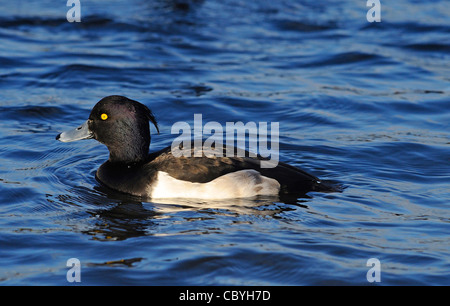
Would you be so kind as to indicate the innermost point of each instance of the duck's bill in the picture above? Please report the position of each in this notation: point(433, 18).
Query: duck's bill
point(81, 132)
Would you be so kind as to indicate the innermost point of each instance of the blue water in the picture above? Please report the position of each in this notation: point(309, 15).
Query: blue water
point(362, 104)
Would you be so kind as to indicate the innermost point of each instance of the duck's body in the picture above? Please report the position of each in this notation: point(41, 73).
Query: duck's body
point(123, 126)
point(163, 176)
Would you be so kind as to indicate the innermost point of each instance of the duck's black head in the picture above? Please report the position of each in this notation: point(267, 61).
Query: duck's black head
point(121, 124)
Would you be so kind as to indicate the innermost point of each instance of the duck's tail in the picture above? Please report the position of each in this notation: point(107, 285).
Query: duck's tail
point(327, 186)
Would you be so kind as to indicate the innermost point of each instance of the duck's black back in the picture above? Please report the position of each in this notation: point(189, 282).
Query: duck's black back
point(205, 169)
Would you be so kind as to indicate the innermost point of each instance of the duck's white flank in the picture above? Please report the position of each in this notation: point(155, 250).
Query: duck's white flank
point(239, 184)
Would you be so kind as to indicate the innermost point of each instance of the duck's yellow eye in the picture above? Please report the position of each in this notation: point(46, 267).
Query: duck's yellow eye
point(104, 116)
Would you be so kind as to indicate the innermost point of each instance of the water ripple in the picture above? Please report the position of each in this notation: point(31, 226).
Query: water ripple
point(361, 104)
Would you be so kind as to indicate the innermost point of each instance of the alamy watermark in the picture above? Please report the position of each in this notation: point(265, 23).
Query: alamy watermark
point(374, 13)
point(74, 13)
point(235, 140)
point(74, 273)
point(374, 273)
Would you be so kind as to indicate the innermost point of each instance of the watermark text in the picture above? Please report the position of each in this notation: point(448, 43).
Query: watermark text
point(74, 273)
point(374, 273)
point(374, 13)
point(74, 13)
point(235, 140)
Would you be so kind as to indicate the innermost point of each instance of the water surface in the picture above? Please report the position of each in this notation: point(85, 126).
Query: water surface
point(362, 104)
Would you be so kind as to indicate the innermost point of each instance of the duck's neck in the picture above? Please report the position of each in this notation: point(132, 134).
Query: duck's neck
point(129, 152)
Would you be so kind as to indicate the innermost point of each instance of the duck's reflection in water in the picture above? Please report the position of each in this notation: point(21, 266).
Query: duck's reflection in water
point(131, 218)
